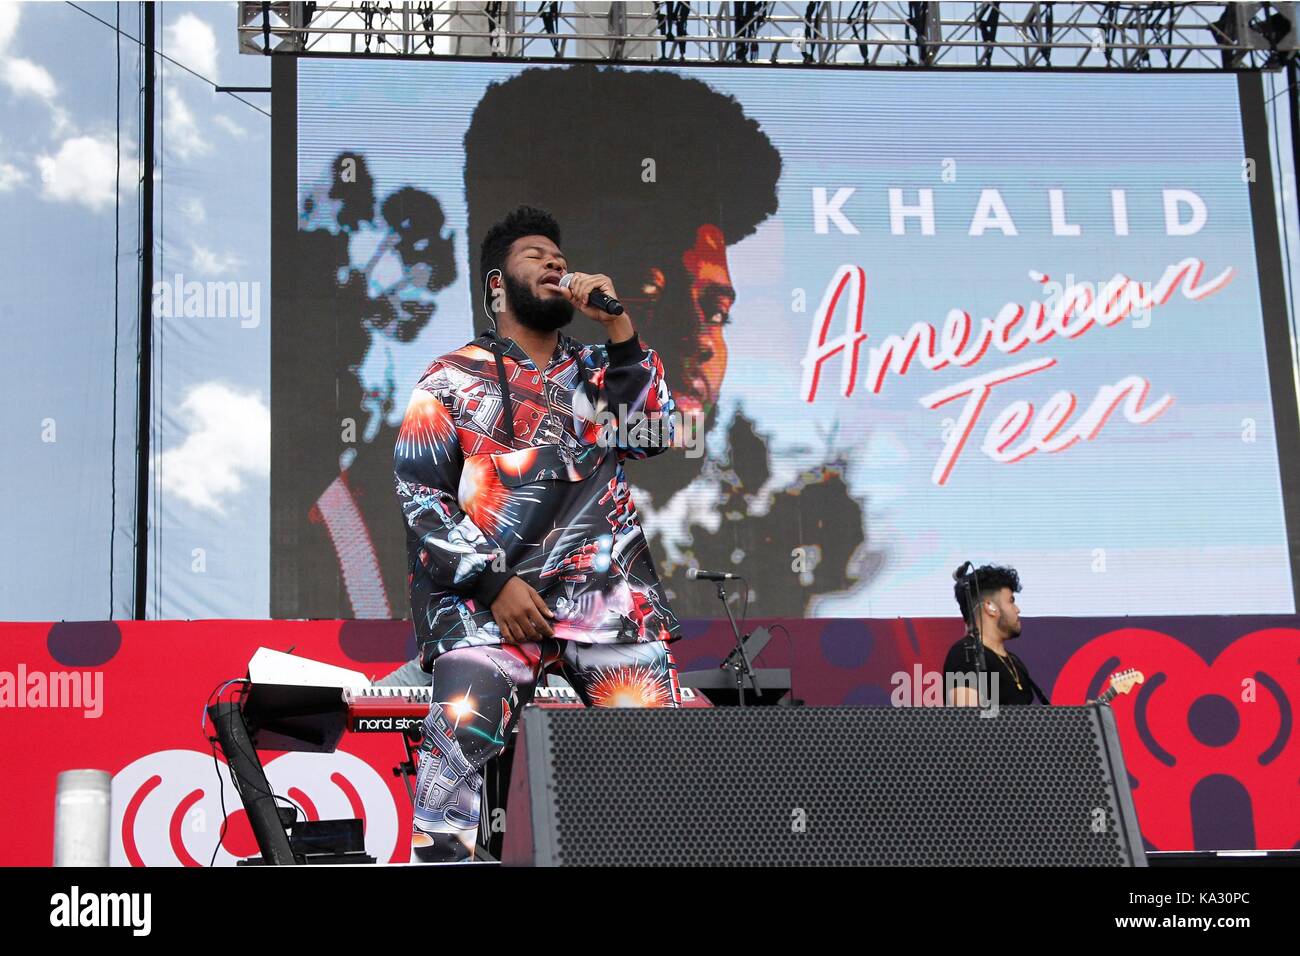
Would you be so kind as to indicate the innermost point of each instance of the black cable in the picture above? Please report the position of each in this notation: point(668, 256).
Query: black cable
point(789, 640)
point(1294, 113)
point(139, 237)
point(210, 83)
point(160, 269)
point(225, 817)
point(218, 689)
point(214, 741)
point(144, 328)
point(269, 792)
point(234, 781)
point(221, 784)
point(744, 608)
point(977, 631)
point(117, 236)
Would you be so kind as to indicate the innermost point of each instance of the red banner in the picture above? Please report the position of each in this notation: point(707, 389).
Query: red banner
point(145, 729)
point(1208, 739)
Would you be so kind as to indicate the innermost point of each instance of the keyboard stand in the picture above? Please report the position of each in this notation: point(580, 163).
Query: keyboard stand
point(254, 789)
point(271, 829)
point(407, 768)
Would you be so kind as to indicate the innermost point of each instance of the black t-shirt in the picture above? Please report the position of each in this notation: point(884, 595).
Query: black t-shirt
point(960, 661)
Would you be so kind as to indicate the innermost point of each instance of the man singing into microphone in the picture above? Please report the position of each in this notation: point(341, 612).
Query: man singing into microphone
point(524, 549)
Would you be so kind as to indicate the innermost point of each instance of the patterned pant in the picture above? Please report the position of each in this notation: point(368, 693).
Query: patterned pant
point(478, 692)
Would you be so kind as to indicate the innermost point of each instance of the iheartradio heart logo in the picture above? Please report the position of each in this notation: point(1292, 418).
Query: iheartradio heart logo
point(1202, 741)
point(167, 806)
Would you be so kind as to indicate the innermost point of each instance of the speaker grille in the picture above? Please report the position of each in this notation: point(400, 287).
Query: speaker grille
point(837, 786)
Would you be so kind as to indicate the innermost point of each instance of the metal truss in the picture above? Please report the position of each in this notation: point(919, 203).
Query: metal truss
point(1032, 36)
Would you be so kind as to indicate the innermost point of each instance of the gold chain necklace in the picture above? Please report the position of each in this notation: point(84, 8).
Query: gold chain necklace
point(1010, 665)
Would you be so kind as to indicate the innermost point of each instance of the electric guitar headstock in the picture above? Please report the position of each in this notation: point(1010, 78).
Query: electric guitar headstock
point(1121, 682)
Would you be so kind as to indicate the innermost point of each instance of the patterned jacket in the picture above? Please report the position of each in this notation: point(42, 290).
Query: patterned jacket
point(545, 499)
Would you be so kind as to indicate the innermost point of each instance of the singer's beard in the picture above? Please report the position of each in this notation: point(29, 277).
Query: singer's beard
point(534, 312)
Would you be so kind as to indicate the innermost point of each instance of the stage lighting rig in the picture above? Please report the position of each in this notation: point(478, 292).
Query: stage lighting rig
point(672, 19)
point(550, 20)
point(1275, 28)
point(1120, 36)
point(1039, 25)
point(987, 19)
point(922, 22)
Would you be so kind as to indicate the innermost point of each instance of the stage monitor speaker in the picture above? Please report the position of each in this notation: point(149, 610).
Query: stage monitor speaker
point(778, 786)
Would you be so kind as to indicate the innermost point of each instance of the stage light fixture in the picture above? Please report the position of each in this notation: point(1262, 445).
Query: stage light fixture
point(987, 19)
point(1273, 27)
point(551, 19)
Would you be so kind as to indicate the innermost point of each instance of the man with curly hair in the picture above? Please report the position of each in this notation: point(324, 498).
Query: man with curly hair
point(998, 619)
point(525, 553)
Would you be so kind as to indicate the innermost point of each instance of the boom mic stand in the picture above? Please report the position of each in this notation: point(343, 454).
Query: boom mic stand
point(740, 663)
point(971, 585)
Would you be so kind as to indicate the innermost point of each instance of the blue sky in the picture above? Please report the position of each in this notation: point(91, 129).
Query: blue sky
point(58, 147)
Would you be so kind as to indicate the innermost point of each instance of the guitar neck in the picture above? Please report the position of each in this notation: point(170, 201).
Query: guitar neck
point(1107, 696)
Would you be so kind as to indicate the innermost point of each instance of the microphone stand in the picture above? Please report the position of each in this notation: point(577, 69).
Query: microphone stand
point(974, 631)
point(741, 665)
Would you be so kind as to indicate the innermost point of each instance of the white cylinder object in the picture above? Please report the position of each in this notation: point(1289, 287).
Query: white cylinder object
point(82, 818)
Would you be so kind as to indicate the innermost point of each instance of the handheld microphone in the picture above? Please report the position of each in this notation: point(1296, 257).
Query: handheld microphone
point(596, 297)
point(696, 574)
point(961, 571)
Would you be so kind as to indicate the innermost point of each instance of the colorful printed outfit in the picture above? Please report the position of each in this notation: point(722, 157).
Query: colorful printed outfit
point(481, 691)
point(503, 469)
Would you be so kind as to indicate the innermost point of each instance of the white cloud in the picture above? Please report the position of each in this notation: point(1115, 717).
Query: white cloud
point(228, 441)
point(194, 210)
point(82, 171)
point(26, 78)
point(8, 23)
point(180, 130)
point(62, 122)
point(208, 262)
point(191, 41)
point(10, 176)
point(230, 126)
